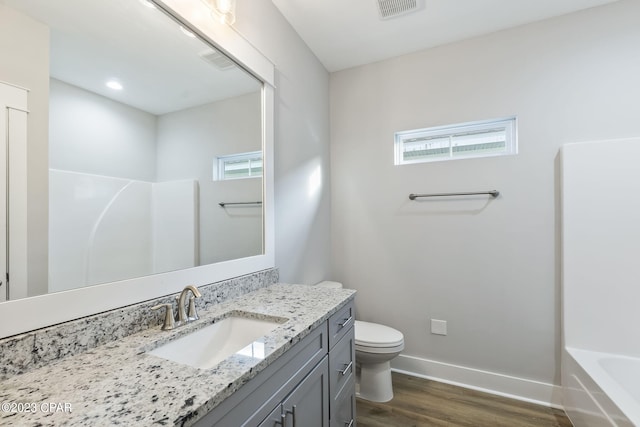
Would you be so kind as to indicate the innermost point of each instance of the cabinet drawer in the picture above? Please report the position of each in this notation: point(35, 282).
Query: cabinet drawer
point(343, 413)
point(340, 322)
point(342, 362)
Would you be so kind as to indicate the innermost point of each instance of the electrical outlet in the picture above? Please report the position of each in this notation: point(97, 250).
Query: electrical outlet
point(438, 327)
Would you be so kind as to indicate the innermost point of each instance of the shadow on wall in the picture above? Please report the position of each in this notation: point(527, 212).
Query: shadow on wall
point(446, 205)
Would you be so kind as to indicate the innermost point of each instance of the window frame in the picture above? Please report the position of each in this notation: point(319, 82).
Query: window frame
point(508, 124)
point(221, 161)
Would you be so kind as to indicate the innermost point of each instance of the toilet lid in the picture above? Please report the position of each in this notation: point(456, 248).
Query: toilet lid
point(375, 335)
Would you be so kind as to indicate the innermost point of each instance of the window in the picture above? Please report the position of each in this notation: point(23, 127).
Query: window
point(461, 141)
point(236, 166)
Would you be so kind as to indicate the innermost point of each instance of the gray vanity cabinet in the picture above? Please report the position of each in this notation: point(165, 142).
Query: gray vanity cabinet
point(310, 385)
point(342, 381)
point(307, 405)
point(342, 368)
point(343, 412)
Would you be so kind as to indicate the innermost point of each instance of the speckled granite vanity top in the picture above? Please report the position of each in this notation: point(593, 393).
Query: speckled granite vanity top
point(119, 384)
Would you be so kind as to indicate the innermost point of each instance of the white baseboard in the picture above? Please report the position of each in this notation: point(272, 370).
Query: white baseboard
point(489, 382)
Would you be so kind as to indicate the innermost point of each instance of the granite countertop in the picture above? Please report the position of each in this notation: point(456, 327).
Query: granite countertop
point(118, 383)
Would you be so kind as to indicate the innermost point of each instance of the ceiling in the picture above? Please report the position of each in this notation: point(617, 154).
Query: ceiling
point(349, 33)
point(161, 68)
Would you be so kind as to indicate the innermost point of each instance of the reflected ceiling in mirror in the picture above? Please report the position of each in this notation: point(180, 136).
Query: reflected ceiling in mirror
point(140, 112)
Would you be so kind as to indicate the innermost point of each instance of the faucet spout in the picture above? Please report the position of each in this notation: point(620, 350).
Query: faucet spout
point(182, 313)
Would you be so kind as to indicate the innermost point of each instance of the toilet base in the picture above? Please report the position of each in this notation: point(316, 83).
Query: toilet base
point(374, 382)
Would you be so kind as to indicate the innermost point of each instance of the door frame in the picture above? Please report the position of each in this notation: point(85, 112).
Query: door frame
point(13, 191)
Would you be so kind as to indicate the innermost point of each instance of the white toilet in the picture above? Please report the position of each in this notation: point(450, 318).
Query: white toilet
point(376, 345)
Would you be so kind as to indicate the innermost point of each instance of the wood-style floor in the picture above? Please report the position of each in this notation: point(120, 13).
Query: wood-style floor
point(420, 402)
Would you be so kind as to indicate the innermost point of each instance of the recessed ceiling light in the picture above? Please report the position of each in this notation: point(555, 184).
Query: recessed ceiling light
point(114, 84)
point(187, 32)
point(148, 4)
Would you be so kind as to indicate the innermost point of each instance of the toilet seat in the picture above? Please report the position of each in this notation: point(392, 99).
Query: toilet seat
point(376, 338)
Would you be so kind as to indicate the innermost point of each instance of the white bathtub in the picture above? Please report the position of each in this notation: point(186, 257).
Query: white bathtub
point(601, 389)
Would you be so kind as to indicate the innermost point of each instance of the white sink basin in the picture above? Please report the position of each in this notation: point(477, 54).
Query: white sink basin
point(208, 346)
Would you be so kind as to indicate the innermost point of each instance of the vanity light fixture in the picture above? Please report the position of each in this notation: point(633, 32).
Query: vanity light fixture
point(223, 10)
point(114, 84)
point(187, 32)
point(148, 4)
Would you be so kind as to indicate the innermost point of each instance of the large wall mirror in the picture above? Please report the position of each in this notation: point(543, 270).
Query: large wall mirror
point(145, 161)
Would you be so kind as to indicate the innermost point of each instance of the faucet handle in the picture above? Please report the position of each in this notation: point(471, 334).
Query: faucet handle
point(192, 314)
point(168, 323)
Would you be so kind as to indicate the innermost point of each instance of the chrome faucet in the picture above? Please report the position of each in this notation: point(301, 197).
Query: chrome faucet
point(183, 317)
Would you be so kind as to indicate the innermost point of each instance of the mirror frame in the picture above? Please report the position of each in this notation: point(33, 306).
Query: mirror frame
point(27, 314)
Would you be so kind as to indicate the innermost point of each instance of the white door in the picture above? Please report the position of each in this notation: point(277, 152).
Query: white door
point(13, 192)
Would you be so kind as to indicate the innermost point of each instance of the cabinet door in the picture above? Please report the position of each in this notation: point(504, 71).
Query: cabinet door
point(274, 419)
point(344, 409)
point(308, 404)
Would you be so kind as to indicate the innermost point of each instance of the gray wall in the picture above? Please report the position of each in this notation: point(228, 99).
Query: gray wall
point(490, 268)
point(93, 134)
point(189, 142)
point(302, 181)
point(26, 64)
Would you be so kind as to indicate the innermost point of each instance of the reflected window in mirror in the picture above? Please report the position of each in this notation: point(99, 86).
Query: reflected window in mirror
point(239, 166)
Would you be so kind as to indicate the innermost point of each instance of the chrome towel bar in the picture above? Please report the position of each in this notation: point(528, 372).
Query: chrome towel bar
point(223, 204)
point(492, 193)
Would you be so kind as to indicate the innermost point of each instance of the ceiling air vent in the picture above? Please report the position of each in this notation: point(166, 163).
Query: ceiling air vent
point(392, 8)
point(217, 59)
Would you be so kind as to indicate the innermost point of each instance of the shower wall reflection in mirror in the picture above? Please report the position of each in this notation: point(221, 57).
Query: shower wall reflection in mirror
point(140, 110)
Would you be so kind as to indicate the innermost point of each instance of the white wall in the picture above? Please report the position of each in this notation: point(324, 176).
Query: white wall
point(488, 267)
point(93, 134)
point(26, 64)
point(302, 177)
point(197, 136)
